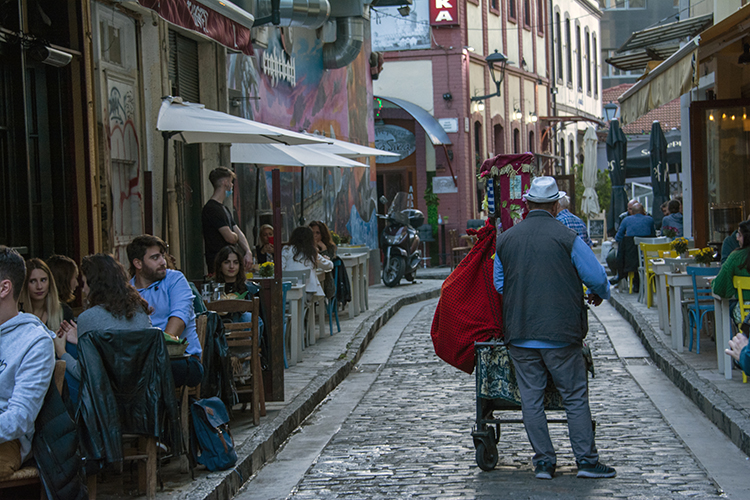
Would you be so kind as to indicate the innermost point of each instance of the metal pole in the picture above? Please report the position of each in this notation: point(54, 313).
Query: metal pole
point(302, 200)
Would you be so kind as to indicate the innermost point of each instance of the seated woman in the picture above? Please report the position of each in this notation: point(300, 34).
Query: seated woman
point(327, 248)
point(39, 296)
point(65, 272)
point(264, 251)
point(230, 270)
point(738, 264)
point(300, 254)
point(111, 303)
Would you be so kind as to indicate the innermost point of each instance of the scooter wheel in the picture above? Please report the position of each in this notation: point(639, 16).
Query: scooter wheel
point(393, 272)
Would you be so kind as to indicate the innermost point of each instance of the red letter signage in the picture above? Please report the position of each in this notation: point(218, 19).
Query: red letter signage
point(443, 12)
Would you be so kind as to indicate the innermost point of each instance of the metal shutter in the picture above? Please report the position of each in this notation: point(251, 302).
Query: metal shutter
point(183, 67)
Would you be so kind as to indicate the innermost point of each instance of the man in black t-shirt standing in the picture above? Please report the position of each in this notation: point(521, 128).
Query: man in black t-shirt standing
point(219, 227)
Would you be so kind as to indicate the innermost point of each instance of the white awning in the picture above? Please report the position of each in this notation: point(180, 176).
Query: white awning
point(668, 81)
point(194, 123)
point(347, 149)
point(288, 156)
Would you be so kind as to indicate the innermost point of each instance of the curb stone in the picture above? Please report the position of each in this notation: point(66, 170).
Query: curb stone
point(261, 447)
point(712, 402)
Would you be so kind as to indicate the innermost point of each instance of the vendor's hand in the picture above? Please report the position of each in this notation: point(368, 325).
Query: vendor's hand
point(594, 299)
point(248, 260)
point(736, 345)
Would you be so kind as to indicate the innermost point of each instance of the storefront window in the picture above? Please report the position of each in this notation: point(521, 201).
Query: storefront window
point(727, 154)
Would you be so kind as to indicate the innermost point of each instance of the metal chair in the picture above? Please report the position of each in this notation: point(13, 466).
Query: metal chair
point(703, 302)
point(648, 252)
point(742, 284)
point(425, 236)
point(333, 302)
point(641, 264)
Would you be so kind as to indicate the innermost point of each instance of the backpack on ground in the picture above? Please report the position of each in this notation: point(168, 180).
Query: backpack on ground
point(212, 444)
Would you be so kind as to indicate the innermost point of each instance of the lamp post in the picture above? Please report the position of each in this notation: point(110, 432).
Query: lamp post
point(496, 72)
point(610, 111)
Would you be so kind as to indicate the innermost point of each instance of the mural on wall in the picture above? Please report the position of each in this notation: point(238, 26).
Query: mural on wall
point(124, 151)
point(290, 88)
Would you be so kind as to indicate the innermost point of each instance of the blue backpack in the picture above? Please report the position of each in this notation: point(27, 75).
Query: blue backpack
point(215, 446)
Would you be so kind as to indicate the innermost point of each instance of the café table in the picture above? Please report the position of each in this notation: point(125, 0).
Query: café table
point(661, 268)
point(356, 265)
point(296, 298)
point(678, 282)
point(723, 316)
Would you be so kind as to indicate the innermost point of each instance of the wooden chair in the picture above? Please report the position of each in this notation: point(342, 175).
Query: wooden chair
point(185, 392)
point(246, 335)
point(742, 284)
point(457, 249)
point(27, 476)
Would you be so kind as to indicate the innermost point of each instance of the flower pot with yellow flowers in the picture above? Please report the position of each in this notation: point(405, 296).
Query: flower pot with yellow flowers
point(680, 247)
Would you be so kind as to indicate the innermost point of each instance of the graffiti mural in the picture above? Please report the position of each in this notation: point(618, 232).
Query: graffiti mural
point(290, 88)
point(124, 151)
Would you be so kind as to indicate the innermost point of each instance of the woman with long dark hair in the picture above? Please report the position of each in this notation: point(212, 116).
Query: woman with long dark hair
point(65, 272)
point(738, 264)
point(327, 248)
point(229, 269)
point(111, 303)
point(300, 254)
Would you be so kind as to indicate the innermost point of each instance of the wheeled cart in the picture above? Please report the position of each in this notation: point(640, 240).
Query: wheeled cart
point(497, 390)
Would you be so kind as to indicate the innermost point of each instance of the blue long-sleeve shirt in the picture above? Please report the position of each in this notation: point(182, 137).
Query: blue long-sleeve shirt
point(589, 269)
point(636, 225)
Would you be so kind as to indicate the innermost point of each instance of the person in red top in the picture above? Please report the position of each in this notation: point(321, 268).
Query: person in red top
point(219, 227)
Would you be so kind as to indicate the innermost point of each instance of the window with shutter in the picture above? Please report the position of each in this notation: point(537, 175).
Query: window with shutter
point(183, 67)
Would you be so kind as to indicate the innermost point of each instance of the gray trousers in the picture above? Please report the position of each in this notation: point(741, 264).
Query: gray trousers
point(568, 371)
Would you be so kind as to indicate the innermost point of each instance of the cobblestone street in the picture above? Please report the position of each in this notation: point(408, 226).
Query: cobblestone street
point(410, 437)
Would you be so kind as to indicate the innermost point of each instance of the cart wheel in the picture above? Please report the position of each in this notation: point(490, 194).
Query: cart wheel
point(486, 456)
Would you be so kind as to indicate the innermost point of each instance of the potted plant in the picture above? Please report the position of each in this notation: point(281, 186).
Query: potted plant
point(266, 270)
point(705, 256)
point(680, 246)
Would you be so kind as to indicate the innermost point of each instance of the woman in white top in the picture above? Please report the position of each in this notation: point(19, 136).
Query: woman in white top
point(300, 254)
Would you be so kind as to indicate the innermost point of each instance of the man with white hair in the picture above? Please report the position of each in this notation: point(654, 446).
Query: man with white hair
point(573, 222)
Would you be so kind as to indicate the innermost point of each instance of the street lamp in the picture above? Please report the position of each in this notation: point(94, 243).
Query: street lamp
point(610, 111)
point(497, 73)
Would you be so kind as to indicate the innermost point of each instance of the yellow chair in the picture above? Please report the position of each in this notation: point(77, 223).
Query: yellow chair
point(742, 284)
point(652, 251)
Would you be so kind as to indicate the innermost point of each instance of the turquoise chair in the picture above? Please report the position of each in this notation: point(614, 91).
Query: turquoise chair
point(285, 287)
point(703, 302)
point(333, 304)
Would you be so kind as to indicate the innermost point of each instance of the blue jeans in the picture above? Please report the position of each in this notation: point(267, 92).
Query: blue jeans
point(187, 371)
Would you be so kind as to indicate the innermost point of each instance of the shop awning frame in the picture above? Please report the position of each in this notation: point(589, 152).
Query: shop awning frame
point(668, 81)
point(431, 126)
point(639, 59)
point(650, 37)
point(219, 20)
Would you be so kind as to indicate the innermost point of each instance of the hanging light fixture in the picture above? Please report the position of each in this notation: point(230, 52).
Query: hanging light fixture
point(496, 72)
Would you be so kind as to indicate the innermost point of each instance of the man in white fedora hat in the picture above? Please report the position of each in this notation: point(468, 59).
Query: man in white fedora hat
point(540, 267)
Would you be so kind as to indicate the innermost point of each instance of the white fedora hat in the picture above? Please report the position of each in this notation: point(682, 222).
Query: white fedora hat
point(544, 190)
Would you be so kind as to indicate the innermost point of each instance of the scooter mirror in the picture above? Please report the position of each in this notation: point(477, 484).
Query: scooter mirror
point(383, 200)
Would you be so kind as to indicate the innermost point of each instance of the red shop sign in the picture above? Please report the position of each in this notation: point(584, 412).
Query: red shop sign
point(443, 12)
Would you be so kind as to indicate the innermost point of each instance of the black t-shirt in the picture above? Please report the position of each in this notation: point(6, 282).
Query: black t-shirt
point(214, 216)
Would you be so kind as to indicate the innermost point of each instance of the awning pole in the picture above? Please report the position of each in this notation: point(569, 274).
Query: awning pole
point(450, 167)
point(302, 201)
point(164, 201)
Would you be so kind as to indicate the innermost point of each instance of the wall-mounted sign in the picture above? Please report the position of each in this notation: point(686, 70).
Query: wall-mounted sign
point(443, 12)
point(442, 185)
point(450, 125)
point(396, 140)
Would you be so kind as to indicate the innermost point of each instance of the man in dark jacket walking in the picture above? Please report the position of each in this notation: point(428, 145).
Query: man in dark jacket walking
point(540, 267)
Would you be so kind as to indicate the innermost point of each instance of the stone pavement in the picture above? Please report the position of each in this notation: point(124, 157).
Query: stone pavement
point(410, 437)
point(323, 367)
point(725, 402)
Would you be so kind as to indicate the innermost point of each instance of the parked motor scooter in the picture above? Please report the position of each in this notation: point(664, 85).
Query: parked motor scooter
point(400, 241)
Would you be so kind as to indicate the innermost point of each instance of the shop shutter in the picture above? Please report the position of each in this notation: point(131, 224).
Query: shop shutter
point(183, 67)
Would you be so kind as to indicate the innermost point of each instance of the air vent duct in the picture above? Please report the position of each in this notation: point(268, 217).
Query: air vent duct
point(350, 34)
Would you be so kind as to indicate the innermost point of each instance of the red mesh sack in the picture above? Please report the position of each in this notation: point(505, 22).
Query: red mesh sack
point(469, 309)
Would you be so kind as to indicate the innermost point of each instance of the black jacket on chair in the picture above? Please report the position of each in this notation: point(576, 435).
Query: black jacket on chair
point(126, 388)
point(627, 256)
point(343, 287)
point(56, 450)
